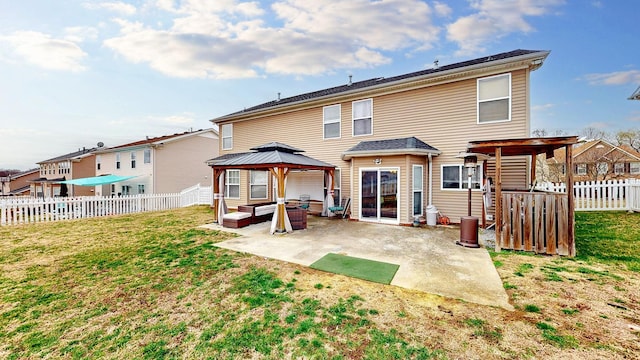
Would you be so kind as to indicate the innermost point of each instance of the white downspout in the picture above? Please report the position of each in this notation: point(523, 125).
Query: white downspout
point(430, 181)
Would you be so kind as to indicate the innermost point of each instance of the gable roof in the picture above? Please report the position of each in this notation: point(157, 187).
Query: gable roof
point(536, 57)
point(81, 153)
point(157, 140)
point(579, 149)
point(401, 146)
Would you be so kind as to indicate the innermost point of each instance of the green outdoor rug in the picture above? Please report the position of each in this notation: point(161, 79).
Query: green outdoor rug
point(376, 271)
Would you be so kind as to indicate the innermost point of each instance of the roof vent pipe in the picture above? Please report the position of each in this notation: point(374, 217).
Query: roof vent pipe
point(278, 97)
point(350, 80)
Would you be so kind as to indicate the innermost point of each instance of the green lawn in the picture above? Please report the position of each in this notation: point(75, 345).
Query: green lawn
point(154, 286)
point(609, 236)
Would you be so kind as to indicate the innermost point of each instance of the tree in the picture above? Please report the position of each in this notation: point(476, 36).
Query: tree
point(629, 137)
point(8, 172)
point(591, 133)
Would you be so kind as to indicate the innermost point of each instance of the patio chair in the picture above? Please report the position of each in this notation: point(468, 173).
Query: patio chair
point(304, 201)
point(342, 209)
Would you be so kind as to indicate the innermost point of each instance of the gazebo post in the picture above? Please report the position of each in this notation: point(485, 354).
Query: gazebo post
point(498, 218)
point(216, 190)
point(571, 204)
point(280, 226)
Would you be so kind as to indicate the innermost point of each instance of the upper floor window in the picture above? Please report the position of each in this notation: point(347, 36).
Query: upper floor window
point(133, 159)
point(98, 161)
point(634, 168)
point(618, 168)
point(581, 169)
point(147, 156)
point(457, 177)
point(258, 183)
point(494, 99)
point(362, 117)
point(117, 160)
point(331, 121)
point(232, 184)
point(227, 136)
point(602, 168)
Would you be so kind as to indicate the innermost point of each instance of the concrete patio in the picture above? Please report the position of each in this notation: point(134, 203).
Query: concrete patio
point(429, 259)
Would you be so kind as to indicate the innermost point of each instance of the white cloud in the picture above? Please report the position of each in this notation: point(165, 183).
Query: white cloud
point(44, 51)
point(495, 19)
point(442, 9)
point(614, 78)
point(542, 107)
point(78, 34)
point(115, 6)
point(231, 39)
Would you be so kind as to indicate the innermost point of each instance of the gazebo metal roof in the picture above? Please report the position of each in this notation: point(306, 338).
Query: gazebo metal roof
point(269, 155)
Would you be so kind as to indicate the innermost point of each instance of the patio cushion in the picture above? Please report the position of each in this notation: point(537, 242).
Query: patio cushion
point(236, 215)
point(265, 209)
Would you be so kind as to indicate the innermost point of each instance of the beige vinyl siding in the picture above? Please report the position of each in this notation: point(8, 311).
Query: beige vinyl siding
point(182, 163)
point(444, 116)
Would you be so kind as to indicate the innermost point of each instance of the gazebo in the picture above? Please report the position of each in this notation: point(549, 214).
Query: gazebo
point(531, 220)
point(279, 159)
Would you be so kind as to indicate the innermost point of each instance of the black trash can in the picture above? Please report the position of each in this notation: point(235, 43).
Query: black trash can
point(468, 232)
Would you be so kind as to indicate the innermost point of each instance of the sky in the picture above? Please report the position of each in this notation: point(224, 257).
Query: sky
point(77, 72)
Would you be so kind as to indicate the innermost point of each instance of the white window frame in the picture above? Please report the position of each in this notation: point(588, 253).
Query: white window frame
point(228, 183)
point(602, 168)
point(98, 162)
point(417, 189)
point(117, 160)
point(354, 119)
point(140, 188)
point(133, 159)
point(581, 169)
point(463, 180)
point(618, 168)
point(634, 168)
point(147, 156)
point(253, 184)
point(508, 97)
point(227, 134)
point(326, 121)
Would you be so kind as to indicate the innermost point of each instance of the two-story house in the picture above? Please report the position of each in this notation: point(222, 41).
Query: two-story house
point(164, 164)
point(596, 160)
point(18, 184)
point(74, 165)
point(394, 141)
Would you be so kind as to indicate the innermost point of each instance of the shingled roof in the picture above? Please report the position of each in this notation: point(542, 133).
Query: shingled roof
point(70, 156)
point(409, 145)
point(154, 140)
point(361, 85)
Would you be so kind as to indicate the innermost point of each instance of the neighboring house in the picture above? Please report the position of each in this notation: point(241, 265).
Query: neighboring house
point(164, 164)
point(394, 141)
point(18, 184)
point(76, 165)
point(635, 95)
point(596, 160)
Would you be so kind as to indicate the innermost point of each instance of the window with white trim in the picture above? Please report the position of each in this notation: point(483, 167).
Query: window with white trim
point(602, 168)
point(117, 160)
point(140, 188)
point(634, 168)
point(581, 169)
point(227, 136)
point(98, 162)
point(258, 182)
point(494, 99)
point(618, 169)
point(147, 156)
point(362, 111)
point(133, 159)
point(126, 190)
point(418, 189)
point(331, 121)
point(232, 184)
point(455, 177)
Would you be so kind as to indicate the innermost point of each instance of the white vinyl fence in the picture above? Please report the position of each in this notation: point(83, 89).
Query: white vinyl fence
point(601, 195)
point(34, 210)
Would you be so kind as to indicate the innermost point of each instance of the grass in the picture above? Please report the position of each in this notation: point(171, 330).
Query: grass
point(155, 286)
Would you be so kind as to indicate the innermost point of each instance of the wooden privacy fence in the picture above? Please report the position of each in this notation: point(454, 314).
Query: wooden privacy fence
point(27, 210)
point(533, 221)
point(601, 195)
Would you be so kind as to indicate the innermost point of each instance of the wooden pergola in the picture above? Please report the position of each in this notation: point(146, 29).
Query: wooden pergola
point(532, 221)
point(277, 158)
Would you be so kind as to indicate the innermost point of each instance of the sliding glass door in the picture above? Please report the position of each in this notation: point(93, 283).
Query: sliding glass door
point(379, 195)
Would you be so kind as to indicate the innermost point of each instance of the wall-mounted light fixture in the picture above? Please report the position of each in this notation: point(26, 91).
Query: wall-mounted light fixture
point(377, 161)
